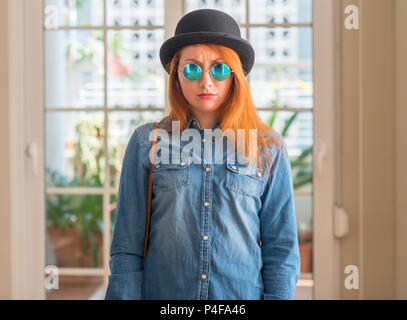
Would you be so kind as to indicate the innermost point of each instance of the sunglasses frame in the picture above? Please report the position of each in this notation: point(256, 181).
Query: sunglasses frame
point(230, 70)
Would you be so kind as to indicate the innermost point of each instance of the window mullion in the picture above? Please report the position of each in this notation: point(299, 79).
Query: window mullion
point(106, 194)
point(173, 11)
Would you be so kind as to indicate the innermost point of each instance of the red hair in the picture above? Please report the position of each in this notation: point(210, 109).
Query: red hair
point(237, 111)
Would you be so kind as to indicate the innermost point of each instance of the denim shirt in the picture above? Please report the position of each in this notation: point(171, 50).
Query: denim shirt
point(217, 231)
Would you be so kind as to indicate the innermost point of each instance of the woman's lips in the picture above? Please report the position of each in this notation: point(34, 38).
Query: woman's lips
point(206, 96)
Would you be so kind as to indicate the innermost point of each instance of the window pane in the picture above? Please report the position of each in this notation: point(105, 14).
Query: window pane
point(135, 75)
point(297, 130)
point(243, 32)
point(74, 149)
point(303, 211)
point(112, 212)
point(135, 12)
point(74, 68)
point(282, 75)
point(74, 231)
point(121, 127)
point(59, 13)
point(280, 11)
point(235, 8)
point(291, 45)
point(77, 288)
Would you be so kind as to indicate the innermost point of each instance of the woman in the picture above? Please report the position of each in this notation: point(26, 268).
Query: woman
point(217, 230)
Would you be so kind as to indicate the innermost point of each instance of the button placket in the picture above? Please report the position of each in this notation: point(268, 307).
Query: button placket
point(205, 225)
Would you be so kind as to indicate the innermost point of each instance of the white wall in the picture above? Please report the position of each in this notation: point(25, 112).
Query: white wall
point(401, 147)
point(368, 150)
point(5, 222)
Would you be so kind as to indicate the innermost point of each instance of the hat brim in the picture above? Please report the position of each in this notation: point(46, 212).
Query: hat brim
point(241, 46)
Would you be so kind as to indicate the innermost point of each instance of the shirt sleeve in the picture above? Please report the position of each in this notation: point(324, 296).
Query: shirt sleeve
point(127, 247)
point(278, 229)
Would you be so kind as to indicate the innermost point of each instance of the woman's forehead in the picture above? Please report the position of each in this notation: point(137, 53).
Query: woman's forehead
point(199, 53)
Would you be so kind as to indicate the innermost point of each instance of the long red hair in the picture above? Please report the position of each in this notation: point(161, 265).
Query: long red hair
point(237, 111)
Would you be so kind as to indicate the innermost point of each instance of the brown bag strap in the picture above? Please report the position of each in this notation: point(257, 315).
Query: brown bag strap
point(150, 183)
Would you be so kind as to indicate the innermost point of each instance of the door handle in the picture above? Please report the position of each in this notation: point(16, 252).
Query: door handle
point(31, 152)
point(321, 157)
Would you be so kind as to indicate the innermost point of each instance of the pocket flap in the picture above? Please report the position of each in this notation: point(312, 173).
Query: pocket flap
point(171, 166)
point(251, 171)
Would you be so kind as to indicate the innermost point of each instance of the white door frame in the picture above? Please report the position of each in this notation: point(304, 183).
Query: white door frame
point(326, 169)
point(26, 155)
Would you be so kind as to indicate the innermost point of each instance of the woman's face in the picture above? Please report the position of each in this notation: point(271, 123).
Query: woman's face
point(205, 84)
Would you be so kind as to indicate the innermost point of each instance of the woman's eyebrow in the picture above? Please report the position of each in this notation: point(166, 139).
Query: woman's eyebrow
point(200, 61)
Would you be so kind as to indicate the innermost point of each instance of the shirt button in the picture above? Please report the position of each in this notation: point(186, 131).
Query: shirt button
point(203, 276)
point(259, 174)
point(208, 169)
point(205, 237)
point(182, 163)
point(213, 139)
point(206, 203)
point(203, 140)
point(157, 166)
point(234, 167)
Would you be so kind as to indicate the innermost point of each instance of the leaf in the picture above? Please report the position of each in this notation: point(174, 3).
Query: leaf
point(288, 124)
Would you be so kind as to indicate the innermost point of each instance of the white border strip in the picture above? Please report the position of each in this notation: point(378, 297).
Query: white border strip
point(326, 256)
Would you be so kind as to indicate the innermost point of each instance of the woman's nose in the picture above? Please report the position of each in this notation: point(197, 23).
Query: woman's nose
point(206, 78)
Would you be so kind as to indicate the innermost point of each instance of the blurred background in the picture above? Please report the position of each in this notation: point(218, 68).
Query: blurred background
point(78, 76)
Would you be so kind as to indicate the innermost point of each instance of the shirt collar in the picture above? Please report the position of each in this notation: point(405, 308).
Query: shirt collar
point(189, 120)
point(193, 123)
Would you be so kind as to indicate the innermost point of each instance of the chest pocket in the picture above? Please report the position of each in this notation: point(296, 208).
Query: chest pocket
point(246, 180)
point(170, 176)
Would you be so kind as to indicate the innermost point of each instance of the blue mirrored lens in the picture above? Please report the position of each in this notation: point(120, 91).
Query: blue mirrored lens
point(191, 72)
point(220, 71)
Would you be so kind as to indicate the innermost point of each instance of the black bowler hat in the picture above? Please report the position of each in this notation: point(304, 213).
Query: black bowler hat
point(208, 26)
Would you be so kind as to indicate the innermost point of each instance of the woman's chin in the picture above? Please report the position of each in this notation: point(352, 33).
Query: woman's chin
point(206, 108)
point(207, 105)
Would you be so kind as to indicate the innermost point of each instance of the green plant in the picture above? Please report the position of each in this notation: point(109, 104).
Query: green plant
point(76, 6)
point(301, 164)
point(83, 212)
point(301, 239)
point(78, 53)
point(118, 50)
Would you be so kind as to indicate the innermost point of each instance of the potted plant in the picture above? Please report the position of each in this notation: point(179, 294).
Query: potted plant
point(305, 246)
point(75, 222)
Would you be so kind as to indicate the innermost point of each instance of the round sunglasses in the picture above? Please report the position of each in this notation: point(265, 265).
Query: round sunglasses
point(219, 72)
